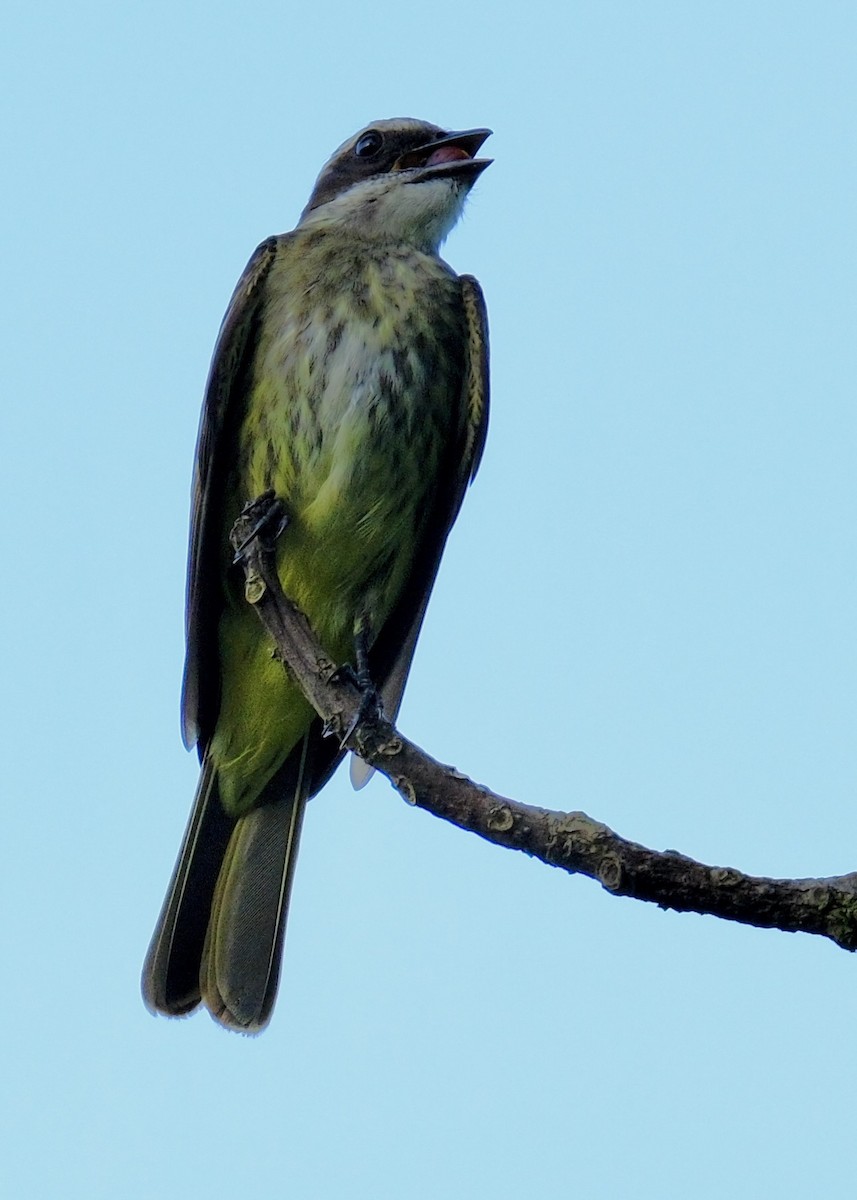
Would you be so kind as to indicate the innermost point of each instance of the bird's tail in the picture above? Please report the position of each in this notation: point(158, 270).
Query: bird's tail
point(243, 947)
point(171, 970)
point(219, 938)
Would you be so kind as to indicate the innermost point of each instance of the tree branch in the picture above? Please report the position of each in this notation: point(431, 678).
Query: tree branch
point(570, 840)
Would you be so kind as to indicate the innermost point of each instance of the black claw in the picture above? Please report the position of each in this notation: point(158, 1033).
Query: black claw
point(345, 674)
point(369, 708)
point(265, 517)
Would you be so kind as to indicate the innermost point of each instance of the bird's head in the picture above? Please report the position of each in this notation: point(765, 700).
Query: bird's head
point(402, 180)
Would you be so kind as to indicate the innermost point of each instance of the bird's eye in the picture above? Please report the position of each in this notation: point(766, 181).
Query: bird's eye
point(369, 144)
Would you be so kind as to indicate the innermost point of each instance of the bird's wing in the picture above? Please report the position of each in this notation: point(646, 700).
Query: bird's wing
point(394, 648)
point(476, 388)
point(200, 690)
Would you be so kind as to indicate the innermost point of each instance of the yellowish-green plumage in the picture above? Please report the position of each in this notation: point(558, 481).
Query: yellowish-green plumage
point(347, 417)
point(350, 377)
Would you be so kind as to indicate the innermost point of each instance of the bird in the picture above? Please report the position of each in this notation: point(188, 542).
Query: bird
point(350, 378)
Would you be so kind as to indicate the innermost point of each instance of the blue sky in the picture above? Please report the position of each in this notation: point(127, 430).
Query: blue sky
point(646, 610)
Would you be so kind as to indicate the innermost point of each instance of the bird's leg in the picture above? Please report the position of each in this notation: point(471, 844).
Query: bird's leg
point(264, 518)
point(360, 675)
point(361, 654)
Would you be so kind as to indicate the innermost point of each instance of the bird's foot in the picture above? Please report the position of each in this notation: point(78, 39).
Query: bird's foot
point(370, 707)
point(264, 518)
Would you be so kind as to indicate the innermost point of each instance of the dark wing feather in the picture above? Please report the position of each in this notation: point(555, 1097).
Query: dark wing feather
point(200, 690)
point(476, 386)
point(393, 651)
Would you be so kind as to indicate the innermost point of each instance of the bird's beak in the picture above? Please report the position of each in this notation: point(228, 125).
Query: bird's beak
point(452, 154)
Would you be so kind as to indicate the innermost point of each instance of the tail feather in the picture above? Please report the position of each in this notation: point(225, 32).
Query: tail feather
point(219, 938)
point(241, 958)
point(171, 971)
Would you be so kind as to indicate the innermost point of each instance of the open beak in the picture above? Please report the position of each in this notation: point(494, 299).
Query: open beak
point(452, 154)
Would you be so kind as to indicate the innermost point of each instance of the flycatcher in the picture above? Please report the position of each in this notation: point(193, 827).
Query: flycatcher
point(350, 376)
